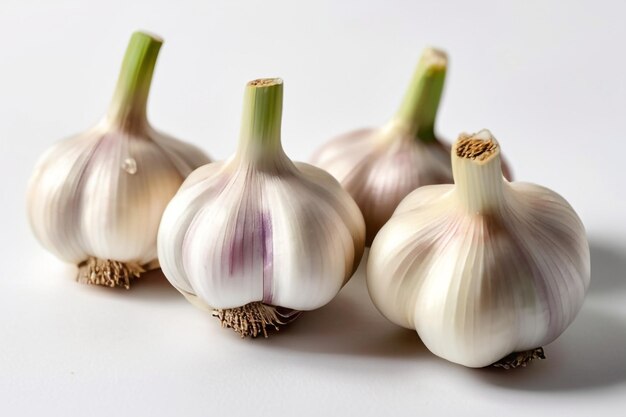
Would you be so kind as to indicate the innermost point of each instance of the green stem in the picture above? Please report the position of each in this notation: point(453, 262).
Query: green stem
point(133, 84)
point(421, 101)
point(261, 121)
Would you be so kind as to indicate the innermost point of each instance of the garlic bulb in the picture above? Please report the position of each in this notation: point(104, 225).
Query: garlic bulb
point(379, 167)
point(258, 238)
point(96, 199)
point(483, 268)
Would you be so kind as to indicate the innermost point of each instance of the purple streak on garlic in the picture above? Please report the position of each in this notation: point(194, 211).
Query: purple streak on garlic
point(257, 238)
point(483, 268)
point(380, 166)
point(268, 256)
point(96, 199)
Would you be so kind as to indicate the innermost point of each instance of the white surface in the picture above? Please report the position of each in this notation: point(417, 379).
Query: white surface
point(547, 78)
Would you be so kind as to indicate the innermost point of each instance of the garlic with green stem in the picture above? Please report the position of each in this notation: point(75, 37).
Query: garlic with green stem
point(96, 199)
point(379, 167)
point(482, 268)
point(258, 238)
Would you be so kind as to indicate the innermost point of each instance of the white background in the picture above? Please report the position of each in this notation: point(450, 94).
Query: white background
point(548, 78)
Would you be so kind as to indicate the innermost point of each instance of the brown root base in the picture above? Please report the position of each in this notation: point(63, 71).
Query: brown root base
point(255, 319)
point(108, 273)
point(520, 359)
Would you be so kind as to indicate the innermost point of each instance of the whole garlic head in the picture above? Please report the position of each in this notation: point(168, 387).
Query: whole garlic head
point(380, 166)
point(96, 199)
point(257, 238)
point(482, 268)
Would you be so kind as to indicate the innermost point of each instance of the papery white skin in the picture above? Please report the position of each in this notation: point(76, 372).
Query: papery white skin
point(82, 202)
point(258, 227)
point(482, 268)
point(102, 193)
point(381, 166)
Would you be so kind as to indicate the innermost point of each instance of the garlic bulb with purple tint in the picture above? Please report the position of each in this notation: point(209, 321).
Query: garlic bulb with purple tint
point(258, 238)
point(379, 167)
point(96, 199)
point(483, 268)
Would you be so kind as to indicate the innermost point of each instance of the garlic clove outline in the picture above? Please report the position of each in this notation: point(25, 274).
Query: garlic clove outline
point(483, 268)
point(96, 199)
point(381, 166)
point(258, 238)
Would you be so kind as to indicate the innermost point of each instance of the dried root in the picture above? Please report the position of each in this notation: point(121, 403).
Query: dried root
point(520, 359)
point(254, 319)
point(108, 273)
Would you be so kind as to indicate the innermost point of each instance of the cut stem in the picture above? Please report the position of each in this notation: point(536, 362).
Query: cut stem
point(421, 101)
point(259, 140)
point(130, 99)
point(255, 319)
point(477, 172)
point(108, 273)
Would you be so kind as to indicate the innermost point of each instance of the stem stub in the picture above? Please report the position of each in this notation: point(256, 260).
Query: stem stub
point(265, 82)
point(476, 149)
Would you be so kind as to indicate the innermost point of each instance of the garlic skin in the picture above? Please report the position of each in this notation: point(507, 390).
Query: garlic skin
point(259, 235)
point(96, 199)
point(482, 268)
point(380, 166)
